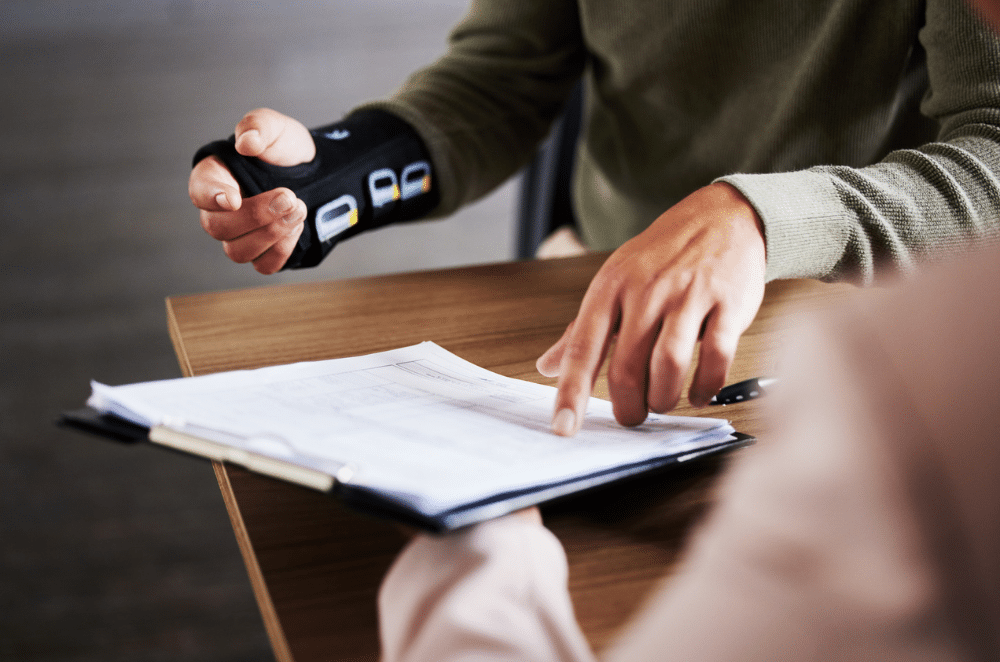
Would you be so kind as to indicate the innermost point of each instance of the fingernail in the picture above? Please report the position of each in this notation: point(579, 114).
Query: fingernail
point(222, 201)
point(564, 422)
point(281, 204)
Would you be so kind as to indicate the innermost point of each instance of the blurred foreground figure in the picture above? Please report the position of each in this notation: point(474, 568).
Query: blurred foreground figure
point(866, 528)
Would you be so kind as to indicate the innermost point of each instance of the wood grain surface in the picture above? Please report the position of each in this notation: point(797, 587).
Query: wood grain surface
point(315, 567)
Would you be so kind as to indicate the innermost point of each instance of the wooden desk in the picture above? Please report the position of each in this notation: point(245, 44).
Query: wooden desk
point(315, 567)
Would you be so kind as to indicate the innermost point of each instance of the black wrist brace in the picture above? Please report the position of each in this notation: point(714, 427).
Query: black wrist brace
point(370, 169)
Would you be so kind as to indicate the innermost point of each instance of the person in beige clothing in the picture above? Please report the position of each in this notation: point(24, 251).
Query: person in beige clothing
point(866, 528)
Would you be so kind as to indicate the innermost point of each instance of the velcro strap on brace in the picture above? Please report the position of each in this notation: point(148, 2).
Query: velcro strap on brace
point(370, 169)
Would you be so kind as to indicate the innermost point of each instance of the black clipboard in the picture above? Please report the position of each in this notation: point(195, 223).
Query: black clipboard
point(372, 503)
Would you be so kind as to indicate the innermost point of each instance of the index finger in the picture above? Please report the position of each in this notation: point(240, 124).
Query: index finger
point(582, 355)
point(212, 187)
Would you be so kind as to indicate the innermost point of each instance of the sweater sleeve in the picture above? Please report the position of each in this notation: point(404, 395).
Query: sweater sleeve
point(484, 107)
point(844, 223)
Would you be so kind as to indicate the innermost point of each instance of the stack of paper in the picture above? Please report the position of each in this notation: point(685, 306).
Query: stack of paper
point(416, 431)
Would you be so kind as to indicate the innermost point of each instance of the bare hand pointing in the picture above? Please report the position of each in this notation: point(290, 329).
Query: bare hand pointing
point(696, 272)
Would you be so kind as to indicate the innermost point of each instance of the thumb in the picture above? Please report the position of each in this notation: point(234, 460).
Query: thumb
point(549, 362)
point(274, 138)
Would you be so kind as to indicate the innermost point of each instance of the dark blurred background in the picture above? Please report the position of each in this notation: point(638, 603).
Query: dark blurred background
point(108, 552)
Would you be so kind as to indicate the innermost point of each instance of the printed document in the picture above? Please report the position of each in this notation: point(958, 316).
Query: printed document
point(418, 424)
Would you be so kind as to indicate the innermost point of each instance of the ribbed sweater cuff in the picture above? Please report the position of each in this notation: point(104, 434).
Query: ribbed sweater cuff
point(805, 223)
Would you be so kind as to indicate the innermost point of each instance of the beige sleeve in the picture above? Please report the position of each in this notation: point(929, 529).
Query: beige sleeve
point(814, 552)
point(495, 591)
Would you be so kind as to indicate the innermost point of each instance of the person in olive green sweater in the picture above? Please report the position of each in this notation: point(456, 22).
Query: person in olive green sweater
point(723, 145)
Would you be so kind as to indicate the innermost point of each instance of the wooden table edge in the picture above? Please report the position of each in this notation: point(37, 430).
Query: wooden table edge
point(178, 342)
point(268, 613)
point(272, 624)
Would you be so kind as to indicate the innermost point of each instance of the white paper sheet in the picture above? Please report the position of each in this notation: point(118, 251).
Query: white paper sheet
point(417, 423)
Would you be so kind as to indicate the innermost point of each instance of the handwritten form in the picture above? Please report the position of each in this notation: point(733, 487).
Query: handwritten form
point(418, 424)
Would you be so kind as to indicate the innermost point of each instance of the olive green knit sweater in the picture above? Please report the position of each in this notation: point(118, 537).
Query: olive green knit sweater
point(866, 133)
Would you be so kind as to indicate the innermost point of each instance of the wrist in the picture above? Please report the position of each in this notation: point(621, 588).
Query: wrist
point(740, 210)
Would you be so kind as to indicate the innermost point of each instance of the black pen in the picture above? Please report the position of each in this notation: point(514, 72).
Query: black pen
point(745, 390)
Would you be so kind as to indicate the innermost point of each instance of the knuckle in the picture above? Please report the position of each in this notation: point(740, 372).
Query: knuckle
point(720, 355)
point(669, 362)
point(614, 277)
point(664, 399)
point(576, 350)
point(216, 225)
point(663, 396)
point(267, 266)
point(626, 377)
point(206, 222)
point(273, 232)
point(275, 257)
point(301, 211)
point(281, 250)
point(677, 286)
point(236, 252)
point(718, 346)
point(211, 226)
